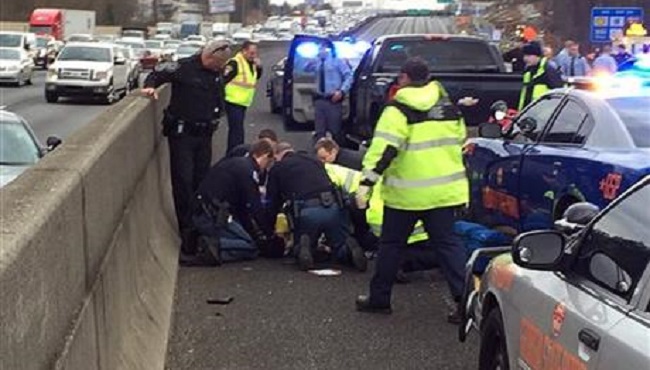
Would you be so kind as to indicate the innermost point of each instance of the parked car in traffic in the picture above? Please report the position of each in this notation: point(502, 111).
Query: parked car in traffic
point(16, 66)
point(187, 49)
point(92, 69)
point(19, 147)
point(573, 298)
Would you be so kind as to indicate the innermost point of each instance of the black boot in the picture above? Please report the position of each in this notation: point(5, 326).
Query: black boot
point(305, 258)
point(364, 305)
point(359, 259)
point(454, 316)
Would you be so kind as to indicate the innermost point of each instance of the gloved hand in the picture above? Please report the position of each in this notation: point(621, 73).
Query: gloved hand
point(361, 197)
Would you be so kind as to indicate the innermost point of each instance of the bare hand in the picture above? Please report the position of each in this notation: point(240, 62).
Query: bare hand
point(150, 92)
point(337, 97)
point(257, 62)
point(468, 101)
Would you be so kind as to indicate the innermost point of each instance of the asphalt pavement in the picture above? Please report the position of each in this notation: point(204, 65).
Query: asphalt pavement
point(406, 25)
point(60, 119)
point(281, 318)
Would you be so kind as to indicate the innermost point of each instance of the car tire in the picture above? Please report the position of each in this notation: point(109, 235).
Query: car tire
point(493, 354)
point(51, 97)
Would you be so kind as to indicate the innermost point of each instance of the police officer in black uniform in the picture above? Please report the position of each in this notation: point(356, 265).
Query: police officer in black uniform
point(315, 206)
point(232, 189)
point(190, 120)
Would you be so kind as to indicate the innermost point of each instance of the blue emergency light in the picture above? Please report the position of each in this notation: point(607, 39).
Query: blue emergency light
point(308, 50)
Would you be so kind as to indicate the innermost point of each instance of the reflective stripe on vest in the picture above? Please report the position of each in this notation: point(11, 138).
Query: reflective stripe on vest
point(539, 89)
point(241, 90)
point(343, 177)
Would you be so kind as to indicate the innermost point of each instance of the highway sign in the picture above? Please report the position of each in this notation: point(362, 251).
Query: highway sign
point(221, 6)
point(608, 23)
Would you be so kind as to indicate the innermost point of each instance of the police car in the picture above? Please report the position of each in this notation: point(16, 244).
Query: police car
point(569, 146)
point(553, 301)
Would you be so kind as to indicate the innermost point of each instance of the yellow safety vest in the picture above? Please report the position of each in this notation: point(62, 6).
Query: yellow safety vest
point(427, 131)
point(349, 180)
point(530, 81)
point(241, 90)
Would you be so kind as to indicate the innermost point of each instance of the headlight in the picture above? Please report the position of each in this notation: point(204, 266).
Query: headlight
point(52, 73)
point(100, 75)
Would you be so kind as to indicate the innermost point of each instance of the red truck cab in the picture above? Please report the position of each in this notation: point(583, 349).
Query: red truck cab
point(47, 22)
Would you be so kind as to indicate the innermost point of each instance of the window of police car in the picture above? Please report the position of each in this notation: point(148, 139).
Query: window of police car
point(570, 126)
point(540, 113)
point(635, 118)
point(616, 251)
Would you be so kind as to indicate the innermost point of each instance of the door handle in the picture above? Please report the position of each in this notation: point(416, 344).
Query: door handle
point(589, 338)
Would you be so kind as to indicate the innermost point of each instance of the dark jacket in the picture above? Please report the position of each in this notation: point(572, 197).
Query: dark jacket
point(197, 92)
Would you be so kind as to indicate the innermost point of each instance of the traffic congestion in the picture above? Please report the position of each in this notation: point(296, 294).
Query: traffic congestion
point(374, 188)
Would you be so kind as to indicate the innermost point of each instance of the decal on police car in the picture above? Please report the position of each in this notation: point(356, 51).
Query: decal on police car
point(610, 184)
point(559, 314)
point(539, 351)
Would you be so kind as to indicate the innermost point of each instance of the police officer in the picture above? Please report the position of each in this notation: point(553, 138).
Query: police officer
point(231, 190)
point(302, 180)
point(189, 122)
point(327, 150)
point(416, 152)
point(243, 149)
point(241, 75)
point(539, 75)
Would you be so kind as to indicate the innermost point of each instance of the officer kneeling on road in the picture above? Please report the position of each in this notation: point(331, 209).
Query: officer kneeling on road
point(315, 206)
point(229, 210)
point(190, 120)
point(416, 152)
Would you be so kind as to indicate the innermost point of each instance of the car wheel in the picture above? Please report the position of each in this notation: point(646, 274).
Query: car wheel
point(493, 354)
point(111, 96)
point(51, 97)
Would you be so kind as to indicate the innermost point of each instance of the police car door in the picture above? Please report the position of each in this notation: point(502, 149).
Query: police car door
point(300, 81)
point(593, 325)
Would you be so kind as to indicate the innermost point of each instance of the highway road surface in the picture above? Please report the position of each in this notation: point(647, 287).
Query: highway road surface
point(59, 119)
point(402, 25)
point(282, 318)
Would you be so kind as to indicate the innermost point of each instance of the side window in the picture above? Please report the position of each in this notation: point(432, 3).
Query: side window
point(567, 125)
point(533, 121)
point(616, 251)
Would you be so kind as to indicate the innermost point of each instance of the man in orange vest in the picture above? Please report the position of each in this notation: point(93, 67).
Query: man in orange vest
point(240, 76)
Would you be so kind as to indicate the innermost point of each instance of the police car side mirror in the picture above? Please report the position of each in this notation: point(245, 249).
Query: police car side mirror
point(577, 217)
point(489, 130)
point(539, 250)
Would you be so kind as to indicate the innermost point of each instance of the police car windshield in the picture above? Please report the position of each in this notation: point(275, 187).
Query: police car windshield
point(634, 114)
point(441, 55)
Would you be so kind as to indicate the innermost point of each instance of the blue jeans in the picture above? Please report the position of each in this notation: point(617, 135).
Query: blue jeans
point(314, 221)
point(395, 230)
point(235, 242)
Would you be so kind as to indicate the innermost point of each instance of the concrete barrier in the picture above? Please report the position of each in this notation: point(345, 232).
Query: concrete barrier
point(88, 256)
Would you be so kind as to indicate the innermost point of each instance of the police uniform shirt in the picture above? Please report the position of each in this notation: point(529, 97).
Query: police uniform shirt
point(296, 177)
point(197, 92)
point(236, 181)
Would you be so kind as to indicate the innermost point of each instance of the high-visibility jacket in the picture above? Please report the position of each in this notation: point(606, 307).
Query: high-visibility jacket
point(241, 90)
point(416, 151)
point(348, 180)
point(533, 81)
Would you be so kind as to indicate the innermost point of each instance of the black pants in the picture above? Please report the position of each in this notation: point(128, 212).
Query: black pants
point(236, 116)
point(395, 230)
point(190, 158)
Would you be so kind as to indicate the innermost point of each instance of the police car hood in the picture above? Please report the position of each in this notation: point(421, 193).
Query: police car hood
point(420, 98)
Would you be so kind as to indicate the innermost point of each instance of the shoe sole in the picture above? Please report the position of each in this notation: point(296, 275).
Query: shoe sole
point(305, 258)
point(359, 259)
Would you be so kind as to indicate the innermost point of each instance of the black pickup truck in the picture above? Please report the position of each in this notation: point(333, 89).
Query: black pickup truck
point(466, 66)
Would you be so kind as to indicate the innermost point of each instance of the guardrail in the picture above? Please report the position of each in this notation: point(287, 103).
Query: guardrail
point(88, 262)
